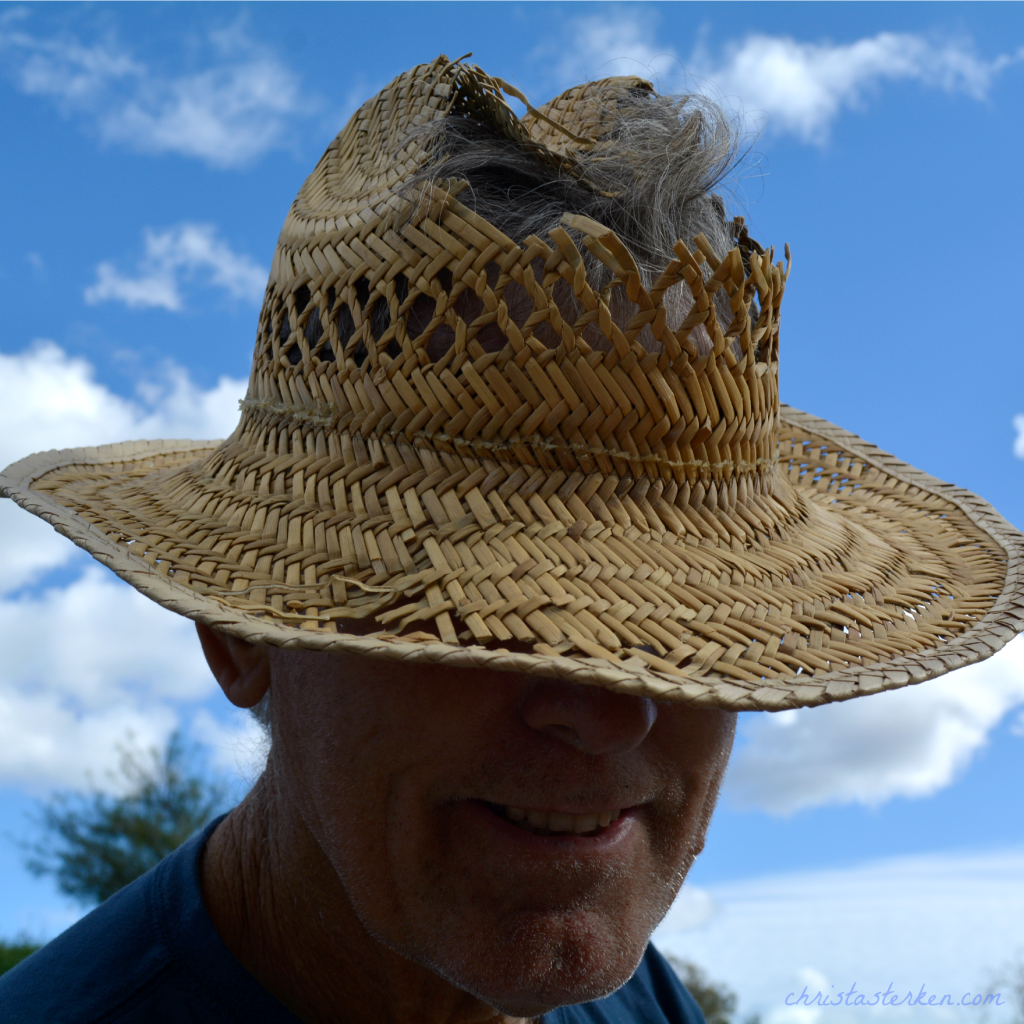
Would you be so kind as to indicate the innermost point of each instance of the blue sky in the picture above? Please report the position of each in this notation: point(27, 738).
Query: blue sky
point(151, 153)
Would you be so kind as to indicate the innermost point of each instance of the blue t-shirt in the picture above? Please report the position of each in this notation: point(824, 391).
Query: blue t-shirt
point(151, 955)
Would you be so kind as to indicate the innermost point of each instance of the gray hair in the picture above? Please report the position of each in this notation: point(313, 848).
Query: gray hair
point(650, 180)
point(261, 711)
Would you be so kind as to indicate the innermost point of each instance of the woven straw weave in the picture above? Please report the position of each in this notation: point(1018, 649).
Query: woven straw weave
point(428, 469)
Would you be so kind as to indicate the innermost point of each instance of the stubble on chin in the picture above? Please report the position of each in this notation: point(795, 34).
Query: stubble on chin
point(535, 959)
point(523, 948)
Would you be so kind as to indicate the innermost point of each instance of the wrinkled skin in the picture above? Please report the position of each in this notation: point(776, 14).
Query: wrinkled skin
point(366, 879)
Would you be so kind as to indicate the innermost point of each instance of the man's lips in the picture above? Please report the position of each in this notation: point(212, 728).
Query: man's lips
point(552, 822)
point(542, 836)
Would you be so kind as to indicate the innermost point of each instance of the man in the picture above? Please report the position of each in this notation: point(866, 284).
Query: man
point(512, 525)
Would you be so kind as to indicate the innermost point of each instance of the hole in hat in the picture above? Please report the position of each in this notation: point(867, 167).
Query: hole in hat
point(331, 295)
point(491, 338)
point(314, 329)
point(359, 354)
point(362, 287)
point(546, 334)
point(440, 341)
point(301, 299)
point(294, 355)
point(326, 353)
point(380, 319)
point(346, 325)
point(444, 278)
point(419, 315)
point(401, 287)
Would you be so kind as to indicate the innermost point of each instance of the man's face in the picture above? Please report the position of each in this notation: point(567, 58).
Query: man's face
point(404, 774)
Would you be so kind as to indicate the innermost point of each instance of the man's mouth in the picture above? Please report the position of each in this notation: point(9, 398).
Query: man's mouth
point(550, 823)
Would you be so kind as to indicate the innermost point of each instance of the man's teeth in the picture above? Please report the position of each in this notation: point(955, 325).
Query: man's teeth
point(555, 822)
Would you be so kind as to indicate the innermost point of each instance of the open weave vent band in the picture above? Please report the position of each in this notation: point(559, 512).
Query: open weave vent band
point(451, 450)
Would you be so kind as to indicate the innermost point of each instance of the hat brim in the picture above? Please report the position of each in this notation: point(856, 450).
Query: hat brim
point(876, 575)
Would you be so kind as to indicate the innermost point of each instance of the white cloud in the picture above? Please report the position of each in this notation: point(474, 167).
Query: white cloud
point(112, 641)
point(693, 908)
point(49, 399)
point(608, 44)
point(85, 664)
point(945, 921)
point(227, 115)
point(1018, 445)
point(63, 68)
point(87, 661)
point(801, 86)
point(910, 742)
point(181, 253)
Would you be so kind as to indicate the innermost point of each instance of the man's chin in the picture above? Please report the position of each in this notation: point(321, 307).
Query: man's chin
point(533, 1005)
point(534, 974)
point(533, 998)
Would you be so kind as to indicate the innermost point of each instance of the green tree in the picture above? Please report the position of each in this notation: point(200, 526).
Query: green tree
point(716, 1000)
point(95, 844)
point(12, 953)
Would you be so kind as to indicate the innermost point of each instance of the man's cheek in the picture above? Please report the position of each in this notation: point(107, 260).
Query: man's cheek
point(392, 843)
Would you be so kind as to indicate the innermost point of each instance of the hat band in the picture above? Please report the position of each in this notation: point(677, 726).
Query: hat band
point(519, 449)
point(349, 351)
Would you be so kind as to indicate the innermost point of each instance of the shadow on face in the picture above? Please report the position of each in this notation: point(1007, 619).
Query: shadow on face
point(518, 836)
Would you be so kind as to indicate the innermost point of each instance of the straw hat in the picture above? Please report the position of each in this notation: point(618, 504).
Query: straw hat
point(652, 522)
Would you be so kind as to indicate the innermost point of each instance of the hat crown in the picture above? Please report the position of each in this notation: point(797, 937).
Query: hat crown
point(391, 320)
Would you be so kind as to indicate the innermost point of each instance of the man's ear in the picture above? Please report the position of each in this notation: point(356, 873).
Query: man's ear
point(242, 669)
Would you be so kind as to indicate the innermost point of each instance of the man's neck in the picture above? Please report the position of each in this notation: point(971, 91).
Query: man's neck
point(278, 904)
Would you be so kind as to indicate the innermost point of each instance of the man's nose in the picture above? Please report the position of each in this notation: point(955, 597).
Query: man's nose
point(589, 718)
